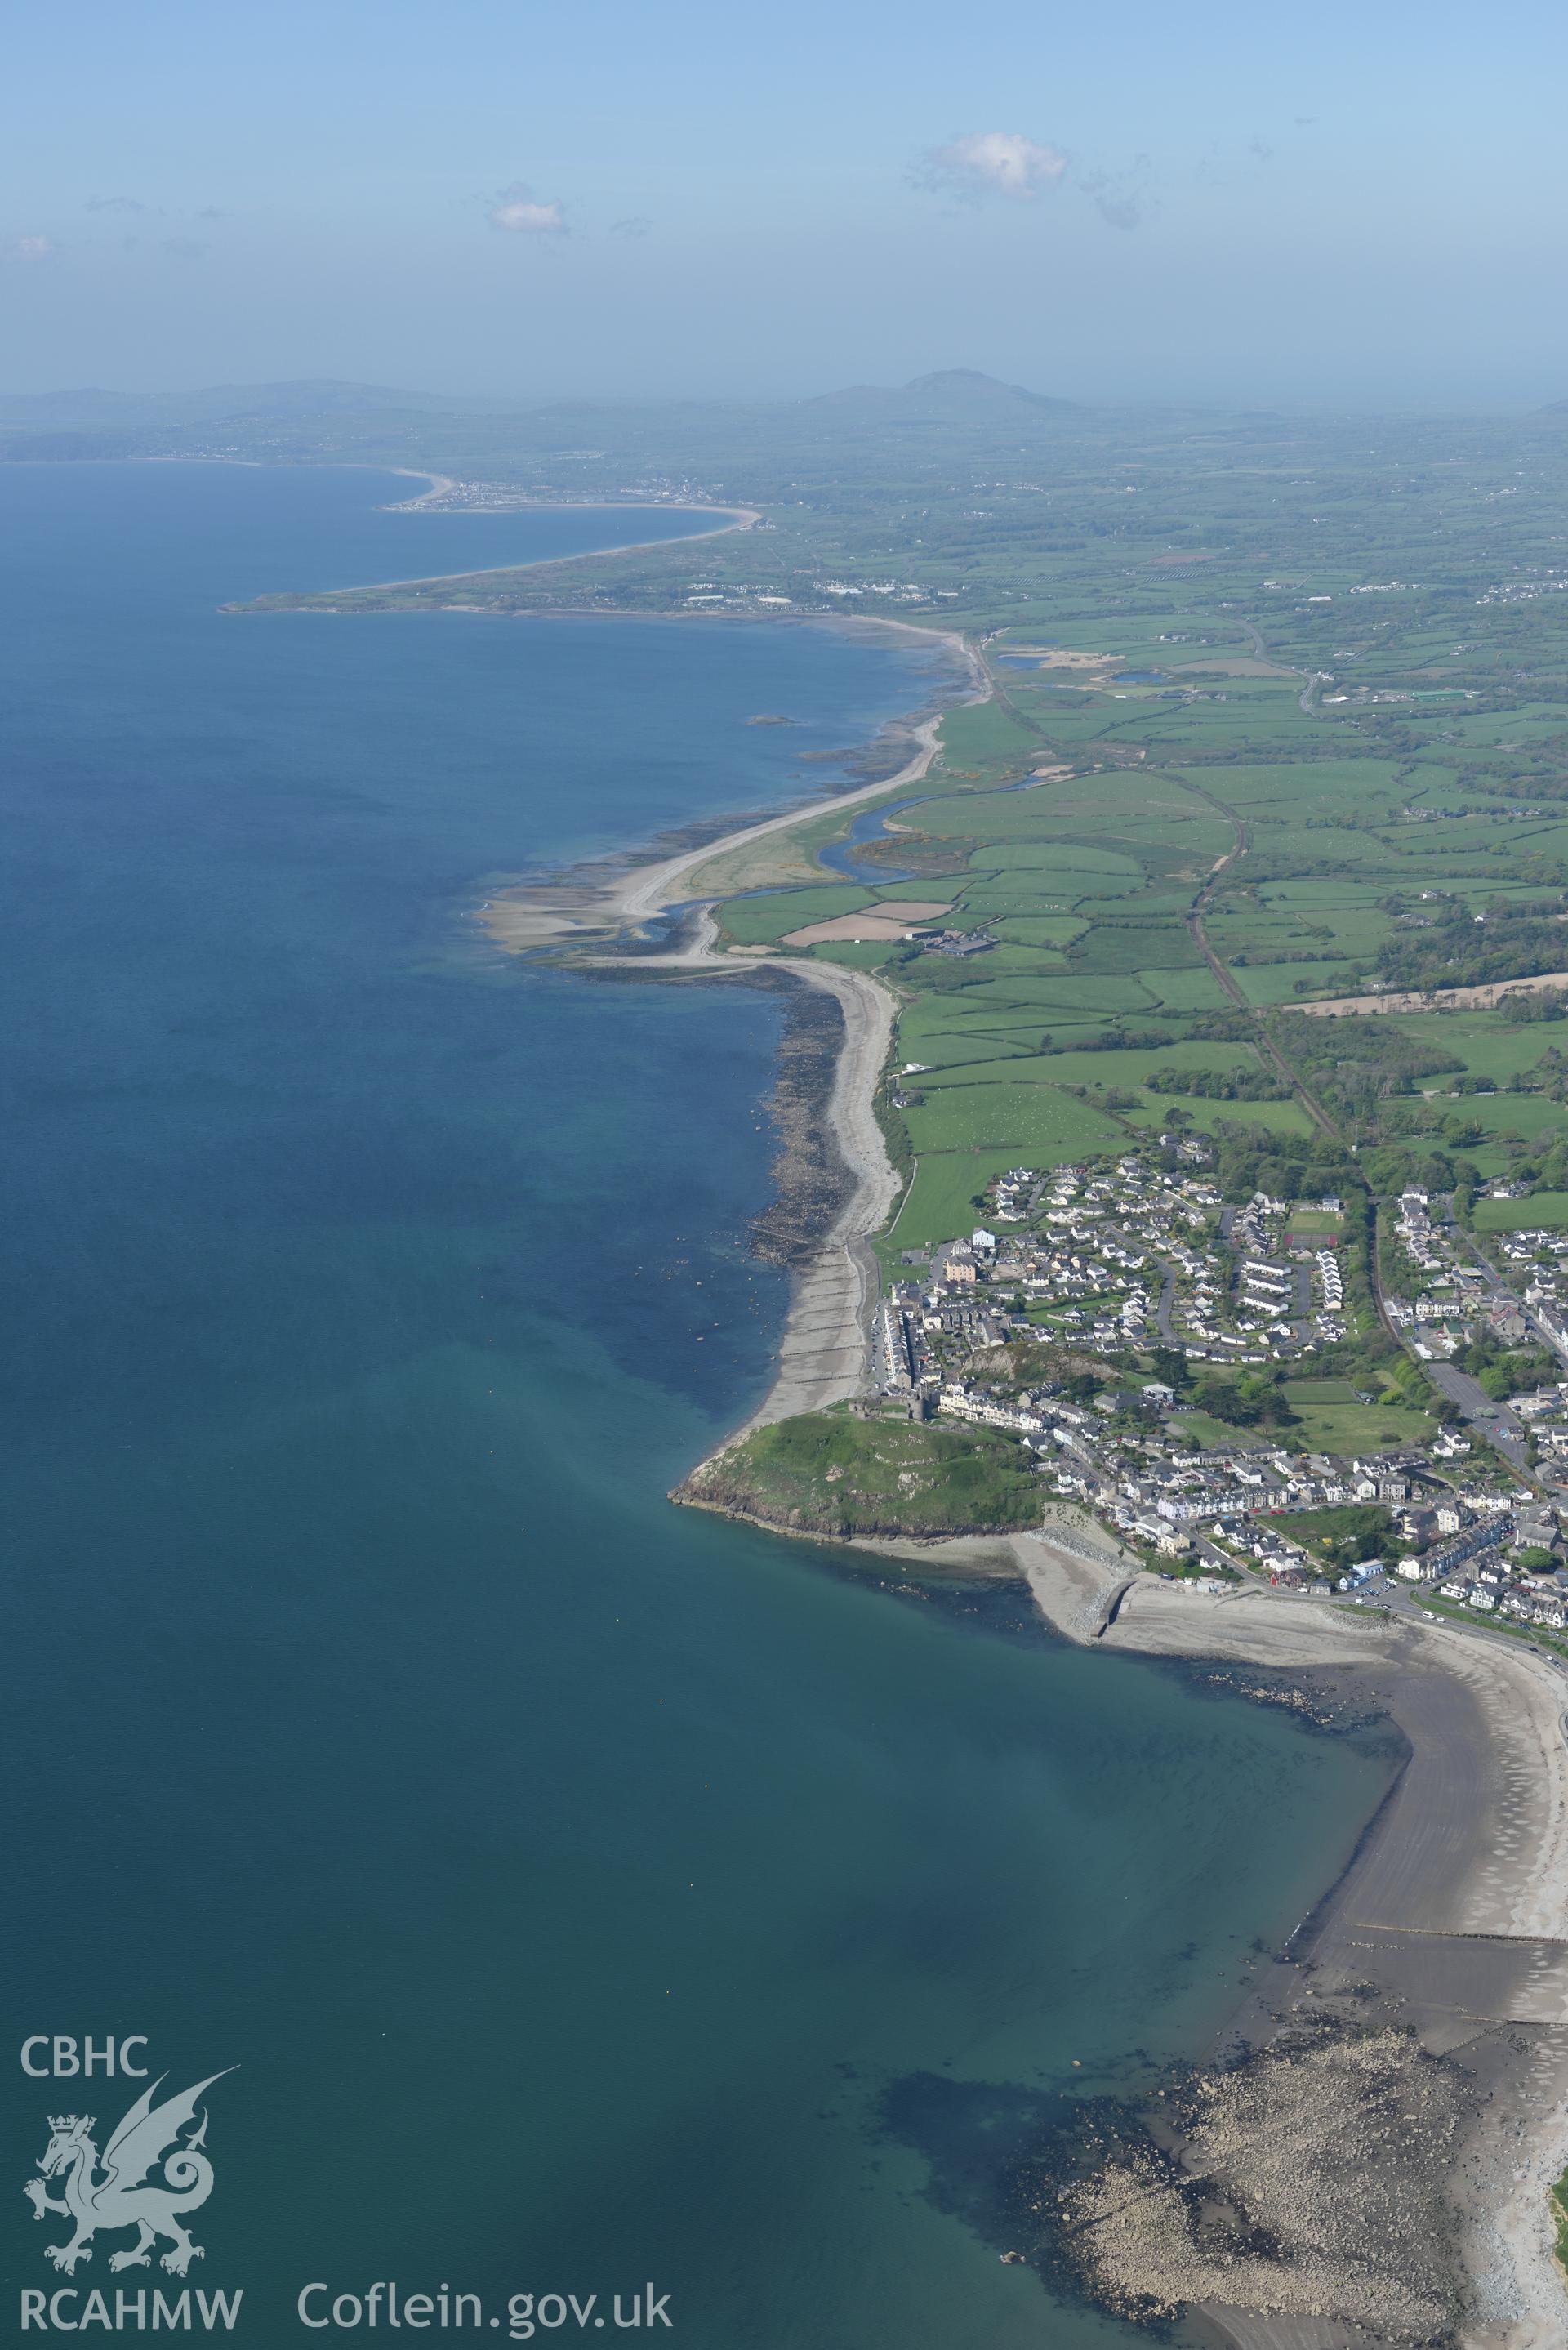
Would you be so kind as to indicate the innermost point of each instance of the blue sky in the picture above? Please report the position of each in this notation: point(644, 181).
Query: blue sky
point(616, 197)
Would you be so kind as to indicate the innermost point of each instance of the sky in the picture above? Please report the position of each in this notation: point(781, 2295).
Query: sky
point(531, 199)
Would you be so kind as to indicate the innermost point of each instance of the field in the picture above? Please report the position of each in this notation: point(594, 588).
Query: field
point(941, 1200)
point(1333, 1421)
point(1202, 1428)
point(1038, 1124)
point(1530, 1117)
point(1544, 1210)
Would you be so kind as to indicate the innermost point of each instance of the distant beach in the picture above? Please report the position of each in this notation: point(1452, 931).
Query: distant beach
point(734, 518)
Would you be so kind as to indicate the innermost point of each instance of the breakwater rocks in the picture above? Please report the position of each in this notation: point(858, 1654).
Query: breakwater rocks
point(1306, 2185)
point(1307, 2180)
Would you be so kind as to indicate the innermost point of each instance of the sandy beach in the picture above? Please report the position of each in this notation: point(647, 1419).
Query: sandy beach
point(822, 1352)
point(436, 486)
point(616, 900)
point(734, 518)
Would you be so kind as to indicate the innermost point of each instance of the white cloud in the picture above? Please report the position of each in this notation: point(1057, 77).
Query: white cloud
point(33, 248)
point(535, 219)
point(516, 210)
point(991, 162)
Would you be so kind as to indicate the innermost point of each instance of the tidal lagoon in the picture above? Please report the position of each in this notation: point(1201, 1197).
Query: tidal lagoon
point(589, 1892)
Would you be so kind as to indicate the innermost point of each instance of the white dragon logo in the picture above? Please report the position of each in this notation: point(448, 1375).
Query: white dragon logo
point(147, 2140)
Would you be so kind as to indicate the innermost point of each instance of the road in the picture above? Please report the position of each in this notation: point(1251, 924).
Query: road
point(1227, 983)
point(1499, 1426)
point(1395, 1596)
point(1317, 677)
point(1494, 1423)
point(1514, 1445)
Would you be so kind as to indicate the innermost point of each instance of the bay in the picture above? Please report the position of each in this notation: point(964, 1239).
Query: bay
point(578, 1884)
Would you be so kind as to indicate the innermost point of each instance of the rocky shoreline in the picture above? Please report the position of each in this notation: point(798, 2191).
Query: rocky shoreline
point(813, 1182)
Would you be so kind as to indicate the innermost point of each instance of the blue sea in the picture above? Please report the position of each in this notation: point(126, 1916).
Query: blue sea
point(589, 1892)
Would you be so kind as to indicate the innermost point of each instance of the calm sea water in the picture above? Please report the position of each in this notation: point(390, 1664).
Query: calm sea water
point(574, 1880)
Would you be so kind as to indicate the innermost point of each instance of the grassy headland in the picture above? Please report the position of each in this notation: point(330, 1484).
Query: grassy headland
point(831, 1475)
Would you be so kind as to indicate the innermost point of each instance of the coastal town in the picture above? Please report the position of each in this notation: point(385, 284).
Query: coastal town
point(1119, 1253)
point(1086, 1262)
point(787, 1301)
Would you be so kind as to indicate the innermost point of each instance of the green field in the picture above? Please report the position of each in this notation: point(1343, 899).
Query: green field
point(1202, 1430)
point(1320, 1391)
point(1267, 1117)
point(1130, 1067)
point(1038, 1123)
point(751, 919)
point(1545, 1210)
point(1176, 992)
point(1335, 1422)
point(1530, 1117)
point(1483, 1041)
point(939, 1204)
point(1275, 982)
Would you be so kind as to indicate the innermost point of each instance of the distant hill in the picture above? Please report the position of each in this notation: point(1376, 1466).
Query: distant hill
point(949, 396)
point(955, 396)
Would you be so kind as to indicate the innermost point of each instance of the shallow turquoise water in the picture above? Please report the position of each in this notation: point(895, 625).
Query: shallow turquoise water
point(572, 1878)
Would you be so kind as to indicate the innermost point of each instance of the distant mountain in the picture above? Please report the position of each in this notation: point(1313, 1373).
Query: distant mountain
point(949, 396)
point(218, 402)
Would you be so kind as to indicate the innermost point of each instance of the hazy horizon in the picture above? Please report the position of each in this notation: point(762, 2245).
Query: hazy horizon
point(516, 203)
point(503, 399)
